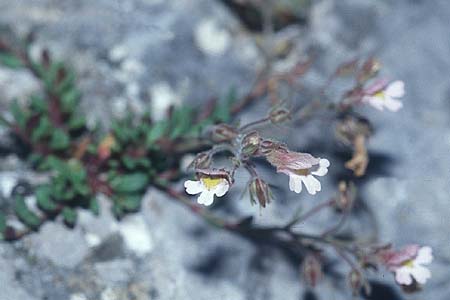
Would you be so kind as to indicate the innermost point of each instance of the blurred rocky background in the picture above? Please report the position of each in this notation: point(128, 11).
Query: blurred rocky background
point(139, 53)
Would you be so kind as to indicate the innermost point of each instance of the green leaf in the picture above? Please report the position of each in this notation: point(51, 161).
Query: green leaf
point(77, 173)
point(129, 183)
point(43, 197)
point(69, 100)
point(117, 211)
point(10, 60)
point(67, 82)
point(43, 129)
point(53, 163)
point(38, 104)
point(130, 203)
point(26, 215)
point(20, 114)
point(76, 123)
point(158, 130)
point(181, 121)
point(222, 112)
point(94, 207)
point(82, 189)
point(2, 225)
point(129, 162)
point(60, 140)
point(69, 216)
point(51, 74)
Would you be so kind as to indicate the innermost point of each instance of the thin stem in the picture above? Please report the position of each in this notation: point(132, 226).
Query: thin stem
point(310, 213)
point(338, 225)
point(254, 123)
point(4, 121)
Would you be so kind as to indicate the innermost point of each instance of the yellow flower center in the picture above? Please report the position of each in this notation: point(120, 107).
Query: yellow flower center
point(211, 183)
point(302, 172)
point(409, 263)
point(380, 95)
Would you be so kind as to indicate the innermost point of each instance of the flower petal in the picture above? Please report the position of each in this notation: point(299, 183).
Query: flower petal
point(206, 198)
point(323, 167)
point(295, 183)
point(403, 276)
point(424, 256)
point(312, 184)
point(374, 101)
point(420, 274)
point(193, 187)
point(396, 89)
point(393, 104)
point(222, 188)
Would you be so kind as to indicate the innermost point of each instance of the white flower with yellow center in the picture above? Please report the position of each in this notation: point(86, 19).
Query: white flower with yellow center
point(386, 97)
point(414, 269)
point(207, 187)
point(306, 177)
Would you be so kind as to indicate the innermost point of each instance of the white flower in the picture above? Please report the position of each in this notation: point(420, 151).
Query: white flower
point(414, 269)
point(207, 187)
point(385, 97)
point(306, 176)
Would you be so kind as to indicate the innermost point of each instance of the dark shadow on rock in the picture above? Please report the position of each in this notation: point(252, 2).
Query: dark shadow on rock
point(252, 18)
point(109, 249)
point(381, 291)
point(10, 144)
point(215, 262)
point(309, 295)
point(380, 165)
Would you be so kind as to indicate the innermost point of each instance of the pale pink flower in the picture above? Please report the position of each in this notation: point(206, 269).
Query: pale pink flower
point(211, 183)
point(300, 167)
point(408, 264)
point(382, 95)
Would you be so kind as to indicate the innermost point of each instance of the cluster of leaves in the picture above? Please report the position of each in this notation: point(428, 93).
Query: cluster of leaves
point(82, 162)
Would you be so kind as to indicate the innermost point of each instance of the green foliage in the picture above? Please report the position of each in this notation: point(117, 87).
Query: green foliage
point(2, 226)
point(132, 183)
point(69, 216)
point(44, 198)
point(10, 60)
point(60, 140)
point(135, 152)
point(24, 214)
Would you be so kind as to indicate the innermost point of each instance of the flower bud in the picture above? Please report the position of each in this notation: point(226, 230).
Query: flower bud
point(346, 197)
point(268, 146)
point(250, 143)
point(279, 115)
point(260, 191)
point(312, 270)
point(355, 281)
point(223, 133)
point(370, 68)
point(201, 161)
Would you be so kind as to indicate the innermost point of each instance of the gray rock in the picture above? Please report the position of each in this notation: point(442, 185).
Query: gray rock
point(62, 246)
point(151, 52)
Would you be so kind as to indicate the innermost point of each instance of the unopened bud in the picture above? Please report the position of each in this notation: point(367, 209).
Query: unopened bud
point(201, 161)
point(346, 197)
point(370, 68)
point(223, 133)
point(250, 143)
point(312, 270)
point(355, 281)
point(279, 115)
point(268, 146)
point(260, 191)
point(347, 68)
